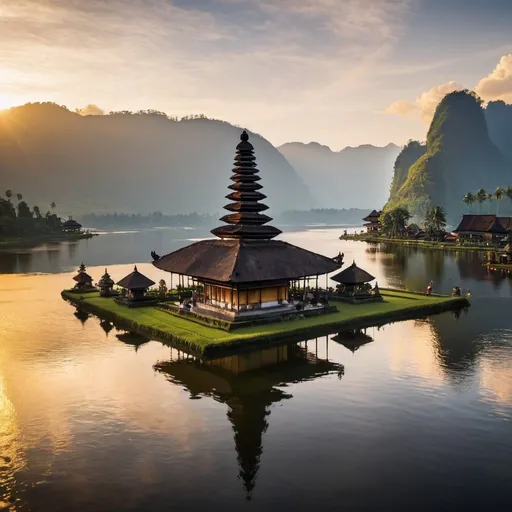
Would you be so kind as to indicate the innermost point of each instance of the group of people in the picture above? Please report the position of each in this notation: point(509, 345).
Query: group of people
point(456, 291)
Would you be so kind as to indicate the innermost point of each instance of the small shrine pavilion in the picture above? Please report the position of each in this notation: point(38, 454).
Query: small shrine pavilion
point(354, 284)
point(106, 285)
point(136, 285)
point(71, 226)
point(373, 222)
point(83, 279)
point(244, 272)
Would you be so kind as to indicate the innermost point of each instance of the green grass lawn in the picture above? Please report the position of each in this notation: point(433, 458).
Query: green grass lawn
point(202, 336)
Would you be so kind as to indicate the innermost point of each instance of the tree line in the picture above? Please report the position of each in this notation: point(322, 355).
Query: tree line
point(155, 219)
point(21, 220)
point(481, 196)
point(394, 222)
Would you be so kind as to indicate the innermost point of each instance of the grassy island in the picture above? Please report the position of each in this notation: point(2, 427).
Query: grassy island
point(206, 340)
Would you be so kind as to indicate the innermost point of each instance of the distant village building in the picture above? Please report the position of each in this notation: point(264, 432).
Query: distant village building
point(373, 222)
point(244, 273)
point(484, 227)
point(71, 226)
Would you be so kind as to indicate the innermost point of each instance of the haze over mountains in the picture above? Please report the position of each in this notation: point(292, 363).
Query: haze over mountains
point(146, 162)
point(357, 177)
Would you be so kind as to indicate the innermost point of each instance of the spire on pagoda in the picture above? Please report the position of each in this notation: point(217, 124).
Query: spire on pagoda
point(245, 220)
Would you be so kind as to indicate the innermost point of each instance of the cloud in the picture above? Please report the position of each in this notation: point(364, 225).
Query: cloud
point(90, 110)
point(498, 84)
point(428, 101)
point(425, 104)
point(401, 108)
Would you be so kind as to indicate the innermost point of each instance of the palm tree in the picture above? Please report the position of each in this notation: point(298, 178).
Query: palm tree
point(470, 199)
point(489, 198)
point(481, 196)
point(53, 205)
point(508, 192)
point(435, 219)
point(498, 195)
point(8, 194)
point(19, 197)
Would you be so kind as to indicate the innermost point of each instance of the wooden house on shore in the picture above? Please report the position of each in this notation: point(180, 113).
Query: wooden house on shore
point(483, 227)
point(244, 273)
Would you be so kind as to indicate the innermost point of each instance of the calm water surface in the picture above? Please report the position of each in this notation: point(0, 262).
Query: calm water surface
point(418, 417)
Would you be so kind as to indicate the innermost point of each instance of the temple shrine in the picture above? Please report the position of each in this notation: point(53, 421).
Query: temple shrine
point(245, 273)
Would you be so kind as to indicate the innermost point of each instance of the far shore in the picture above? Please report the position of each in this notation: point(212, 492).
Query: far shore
point(424, 244)
point(30, 241)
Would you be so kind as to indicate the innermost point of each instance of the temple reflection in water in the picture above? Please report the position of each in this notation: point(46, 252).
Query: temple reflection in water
point(249, 384)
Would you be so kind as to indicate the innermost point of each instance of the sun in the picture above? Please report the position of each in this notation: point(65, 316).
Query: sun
point(7, 101)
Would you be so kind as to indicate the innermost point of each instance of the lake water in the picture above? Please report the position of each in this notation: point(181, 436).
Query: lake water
point(419, 417)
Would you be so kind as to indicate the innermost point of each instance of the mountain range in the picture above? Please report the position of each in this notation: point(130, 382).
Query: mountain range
point(351, 178)
point(128, 162)
point(146, 162)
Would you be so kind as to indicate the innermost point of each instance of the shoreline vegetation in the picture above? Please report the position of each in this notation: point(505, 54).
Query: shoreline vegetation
point(209, 341)
point(21, 226)
point(351, 216)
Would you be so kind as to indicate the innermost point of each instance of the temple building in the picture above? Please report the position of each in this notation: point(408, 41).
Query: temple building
point(484, 227)
point(373, 222)
point(354, 285)
point(135, 286)
point(244, 273)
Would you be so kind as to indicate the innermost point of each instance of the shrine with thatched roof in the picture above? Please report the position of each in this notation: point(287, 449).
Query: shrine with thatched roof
point(71, 226)
point(245, 273)
point(354, 285)
point(135, 286)
point(106, 285)
point(83, 280)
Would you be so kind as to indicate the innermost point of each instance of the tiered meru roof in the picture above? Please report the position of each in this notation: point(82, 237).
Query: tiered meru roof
point(245, 251)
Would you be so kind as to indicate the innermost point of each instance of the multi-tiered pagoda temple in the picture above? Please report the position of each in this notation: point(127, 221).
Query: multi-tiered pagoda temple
point(244, 272)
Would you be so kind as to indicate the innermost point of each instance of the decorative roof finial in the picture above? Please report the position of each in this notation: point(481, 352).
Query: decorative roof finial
point(135, 268)
point(244, 137)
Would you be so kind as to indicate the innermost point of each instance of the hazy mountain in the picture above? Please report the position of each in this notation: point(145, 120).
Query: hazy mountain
point(460, 157)
point(499, 121)
point(132, 162)
point(351, 178)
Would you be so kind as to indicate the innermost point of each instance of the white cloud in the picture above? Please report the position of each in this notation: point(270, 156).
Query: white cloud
point(498, 84)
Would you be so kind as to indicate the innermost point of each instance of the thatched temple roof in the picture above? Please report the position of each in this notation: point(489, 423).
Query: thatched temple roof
point(82, 277)
point(353, 275)
point(242, 261)
point(484, 224)
point(136, 281)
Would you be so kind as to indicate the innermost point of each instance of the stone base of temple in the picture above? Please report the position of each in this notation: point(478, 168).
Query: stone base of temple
point(228, 319)
point(358, 299)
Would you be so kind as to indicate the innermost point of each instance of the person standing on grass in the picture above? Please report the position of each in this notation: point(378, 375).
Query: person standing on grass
point(429, 288)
